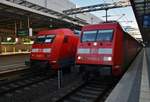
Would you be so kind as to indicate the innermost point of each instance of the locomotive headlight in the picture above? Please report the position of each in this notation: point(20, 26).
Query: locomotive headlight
point(32, 55)
point(107, 58)
point(79, 57)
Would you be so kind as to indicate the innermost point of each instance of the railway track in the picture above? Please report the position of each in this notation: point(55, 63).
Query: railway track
point(31, 88)
point(20, 78)
point(21, 83)
point(34, 87)
point(94, 90)
point(8, 75)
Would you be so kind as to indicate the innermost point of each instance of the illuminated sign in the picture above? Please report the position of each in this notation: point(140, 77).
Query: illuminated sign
point(24, 32)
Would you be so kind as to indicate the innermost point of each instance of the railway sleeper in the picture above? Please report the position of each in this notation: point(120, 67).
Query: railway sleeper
point(94, 92)
point(89, 87)
point(79, 98)
point(86, 94)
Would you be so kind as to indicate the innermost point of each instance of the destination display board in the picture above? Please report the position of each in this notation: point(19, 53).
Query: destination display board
point(24, 32)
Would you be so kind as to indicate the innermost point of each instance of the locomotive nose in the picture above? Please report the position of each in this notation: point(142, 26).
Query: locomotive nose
point(41, 52)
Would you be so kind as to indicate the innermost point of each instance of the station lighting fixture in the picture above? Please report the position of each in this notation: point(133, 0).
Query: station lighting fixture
point(9, 38)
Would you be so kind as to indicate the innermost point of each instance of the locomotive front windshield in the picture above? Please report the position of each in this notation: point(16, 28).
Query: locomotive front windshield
point(97, 35)
point(104, 35)
point(45, 39)
point(89, 36)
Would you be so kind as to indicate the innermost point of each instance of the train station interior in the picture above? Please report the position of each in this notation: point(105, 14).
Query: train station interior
point(22, 22)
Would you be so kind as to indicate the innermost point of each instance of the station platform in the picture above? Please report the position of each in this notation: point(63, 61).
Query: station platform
point(13, 61)
point(14, 53)
point(134, 86)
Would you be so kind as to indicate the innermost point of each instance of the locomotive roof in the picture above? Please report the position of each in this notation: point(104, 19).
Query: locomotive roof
point(104, 25)
point(64, 31)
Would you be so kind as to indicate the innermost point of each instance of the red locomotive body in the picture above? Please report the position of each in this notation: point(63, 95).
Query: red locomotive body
point(54, 49)
point(106, 48)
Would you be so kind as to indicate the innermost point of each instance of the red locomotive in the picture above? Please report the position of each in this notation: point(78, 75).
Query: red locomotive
point(106, 49)
point(54, 49)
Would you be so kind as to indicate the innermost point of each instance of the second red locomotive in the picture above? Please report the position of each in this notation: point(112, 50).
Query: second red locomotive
point(106, 48)
point(53, 49)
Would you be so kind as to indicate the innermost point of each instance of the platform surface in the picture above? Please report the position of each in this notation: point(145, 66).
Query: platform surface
point(12, 62)
point(145, 87)
point(13, 53)
point(134, 85)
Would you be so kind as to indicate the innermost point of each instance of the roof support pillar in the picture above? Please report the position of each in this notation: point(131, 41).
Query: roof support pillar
point(20, 24)
point(15, 28)
point(106, 14)
point(28, 22)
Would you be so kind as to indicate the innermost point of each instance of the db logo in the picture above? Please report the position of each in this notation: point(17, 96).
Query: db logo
point(93, 50)
point(40, 50)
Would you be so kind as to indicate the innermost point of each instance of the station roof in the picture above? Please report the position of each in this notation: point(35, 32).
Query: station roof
point(141, 9)
point(12, 11)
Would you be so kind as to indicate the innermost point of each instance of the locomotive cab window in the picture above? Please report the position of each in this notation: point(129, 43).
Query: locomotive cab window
point(89, 36)
point(104, 35)
point(40, 39)
point(45, 39)
point(49, 38)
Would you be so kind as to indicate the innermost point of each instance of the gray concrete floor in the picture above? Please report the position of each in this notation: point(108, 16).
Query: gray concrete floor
point(145, 89)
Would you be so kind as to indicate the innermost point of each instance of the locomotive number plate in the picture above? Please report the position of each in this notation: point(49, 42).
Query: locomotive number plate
point(39, 55)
